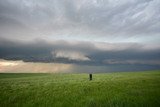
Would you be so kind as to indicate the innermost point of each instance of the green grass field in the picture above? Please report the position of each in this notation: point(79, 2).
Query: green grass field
point(125, 89)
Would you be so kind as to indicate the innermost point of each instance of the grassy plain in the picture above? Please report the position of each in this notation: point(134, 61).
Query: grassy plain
point(124, 89)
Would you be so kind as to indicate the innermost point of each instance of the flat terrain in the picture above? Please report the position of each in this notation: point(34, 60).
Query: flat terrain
point(125, 89)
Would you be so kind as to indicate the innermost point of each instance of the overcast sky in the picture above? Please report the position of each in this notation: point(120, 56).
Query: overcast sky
point(104, 35)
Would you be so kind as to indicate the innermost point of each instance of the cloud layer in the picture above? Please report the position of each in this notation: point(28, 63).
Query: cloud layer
point(79, 52)
point(98, 33)
point(92, 20)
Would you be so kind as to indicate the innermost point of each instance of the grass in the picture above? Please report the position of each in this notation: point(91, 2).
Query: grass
point(125, 89)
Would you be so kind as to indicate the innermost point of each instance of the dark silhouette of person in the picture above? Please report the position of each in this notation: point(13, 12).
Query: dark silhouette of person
point(90, 77)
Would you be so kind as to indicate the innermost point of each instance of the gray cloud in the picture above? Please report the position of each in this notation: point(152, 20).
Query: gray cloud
point(81, 32)
point(85, 53)
point(81, 19)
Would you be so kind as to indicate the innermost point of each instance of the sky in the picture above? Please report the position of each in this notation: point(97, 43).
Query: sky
point(79, 35)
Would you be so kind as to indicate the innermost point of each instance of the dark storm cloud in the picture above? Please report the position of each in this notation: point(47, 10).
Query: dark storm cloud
point(85, 53)
point(81, 32)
